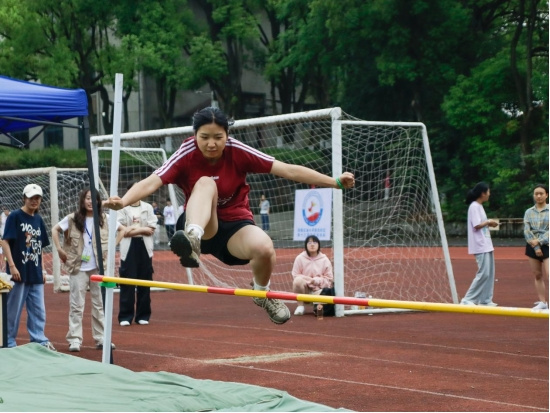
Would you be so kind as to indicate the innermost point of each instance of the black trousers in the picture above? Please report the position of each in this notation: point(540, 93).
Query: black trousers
point(137, 265)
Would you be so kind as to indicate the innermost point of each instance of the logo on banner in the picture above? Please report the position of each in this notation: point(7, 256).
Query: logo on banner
point(312, 208)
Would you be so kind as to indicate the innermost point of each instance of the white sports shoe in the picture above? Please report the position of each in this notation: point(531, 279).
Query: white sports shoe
point(74, 346)
point(299, 310)
point(466, 302)
point(49, 346)
point(124, 323)
point(540, 305)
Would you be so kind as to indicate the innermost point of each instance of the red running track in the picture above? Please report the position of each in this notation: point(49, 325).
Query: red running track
point(399, 362)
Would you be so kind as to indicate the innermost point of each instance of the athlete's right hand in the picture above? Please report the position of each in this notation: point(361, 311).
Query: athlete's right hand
point(114, 202)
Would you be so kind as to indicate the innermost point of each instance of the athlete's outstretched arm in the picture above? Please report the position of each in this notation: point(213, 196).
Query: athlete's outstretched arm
point(140, 190)
point(309, 176)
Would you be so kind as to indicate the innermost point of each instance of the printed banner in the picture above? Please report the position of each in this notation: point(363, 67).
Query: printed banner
point(313, 213)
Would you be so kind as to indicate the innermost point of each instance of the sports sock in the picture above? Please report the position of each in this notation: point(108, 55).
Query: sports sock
point(261, 287)
point(196, 229)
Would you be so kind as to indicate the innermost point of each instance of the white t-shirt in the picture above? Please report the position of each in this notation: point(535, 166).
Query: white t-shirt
point(169, 217)
point(264, 207)
point(88, 231)
point(479, 240)
point(3, 218)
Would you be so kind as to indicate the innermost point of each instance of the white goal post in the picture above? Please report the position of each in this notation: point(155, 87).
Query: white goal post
point(388, 238)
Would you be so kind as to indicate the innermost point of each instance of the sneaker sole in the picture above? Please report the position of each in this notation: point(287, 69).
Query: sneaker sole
point(180, 245)
point(271, 318)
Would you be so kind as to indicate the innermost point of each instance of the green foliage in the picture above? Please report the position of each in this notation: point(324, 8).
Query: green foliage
point(207, 61)
point(475, 72)
point(43, 158)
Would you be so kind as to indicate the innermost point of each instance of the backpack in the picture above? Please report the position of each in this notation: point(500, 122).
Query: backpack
point(328, 309)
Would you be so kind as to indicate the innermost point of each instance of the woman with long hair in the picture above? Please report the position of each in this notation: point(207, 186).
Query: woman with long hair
point(79, 257)
point(535, 230)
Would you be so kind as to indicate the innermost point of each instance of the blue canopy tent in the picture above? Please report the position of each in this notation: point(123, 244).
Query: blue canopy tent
point(24, 105)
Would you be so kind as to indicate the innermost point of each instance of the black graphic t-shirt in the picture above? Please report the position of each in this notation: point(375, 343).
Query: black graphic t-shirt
point(27, 236)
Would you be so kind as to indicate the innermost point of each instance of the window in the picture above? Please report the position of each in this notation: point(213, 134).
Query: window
point(22, 137)
point(53, 136)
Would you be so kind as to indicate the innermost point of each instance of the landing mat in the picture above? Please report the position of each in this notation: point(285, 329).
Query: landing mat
point(33, 378)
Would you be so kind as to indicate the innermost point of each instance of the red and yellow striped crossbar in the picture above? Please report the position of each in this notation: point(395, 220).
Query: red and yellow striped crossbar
point(373, 302)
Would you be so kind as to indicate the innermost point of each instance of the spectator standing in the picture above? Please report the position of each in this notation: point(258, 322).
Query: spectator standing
point(24, 239)
point(312, 271)
point(481, 246)
point(169, 219)
point(535, 230)
point(387, 186)
point(264, 212)
point(136, 261)
point(79, 256)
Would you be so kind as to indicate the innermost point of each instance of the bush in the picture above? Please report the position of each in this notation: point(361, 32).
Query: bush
point(13, 158)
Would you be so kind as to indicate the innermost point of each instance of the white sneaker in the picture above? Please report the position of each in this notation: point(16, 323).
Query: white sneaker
point(124, 323)
point(489, 304)
point(540, 305)
point(49, 346)
point(74, 346)
point(299, 310)
point(466, 302)
point(143, 322)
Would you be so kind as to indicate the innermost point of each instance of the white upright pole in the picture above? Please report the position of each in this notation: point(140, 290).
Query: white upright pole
point(438, 213)
point(338, 210)
point(54, 197)
point(110, 270)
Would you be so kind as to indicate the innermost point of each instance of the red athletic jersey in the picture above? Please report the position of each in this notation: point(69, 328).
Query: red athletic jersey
point(187, 165)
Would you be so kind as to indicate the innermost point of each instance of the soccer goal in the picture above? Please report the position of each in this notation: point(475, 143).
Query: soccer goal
point(61, 188)
point(388, 239)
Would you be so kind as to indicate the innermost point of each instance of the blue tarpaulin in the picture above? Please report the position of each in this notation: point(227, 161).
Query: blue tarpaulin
point(34, 103)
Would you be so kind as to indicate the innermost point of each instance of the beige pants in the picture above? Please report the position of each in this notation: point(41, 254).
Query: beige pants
point(77, 298)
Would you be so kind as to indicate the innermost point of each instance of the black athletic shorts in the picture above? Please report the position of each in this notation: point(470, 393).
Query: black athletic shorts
point(217, 245)
point(530, 252)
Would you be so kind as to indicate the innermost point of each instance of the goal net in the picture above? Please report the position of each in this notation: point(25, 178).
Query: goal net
point(387, 240)
point(61, 188)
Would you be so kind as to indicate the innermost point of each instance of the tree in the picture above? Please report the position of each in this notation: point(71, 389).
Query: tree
point(65, 43)
point(499, 109)
point(158, 32)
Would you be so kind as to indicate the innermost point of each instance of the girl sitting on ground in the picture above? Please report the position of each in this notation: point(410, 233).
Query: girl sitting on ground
point(312, 271)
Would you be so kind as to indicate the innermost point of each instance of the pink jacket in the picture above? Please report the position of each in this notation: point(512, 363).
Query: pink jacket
point(319, 268)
